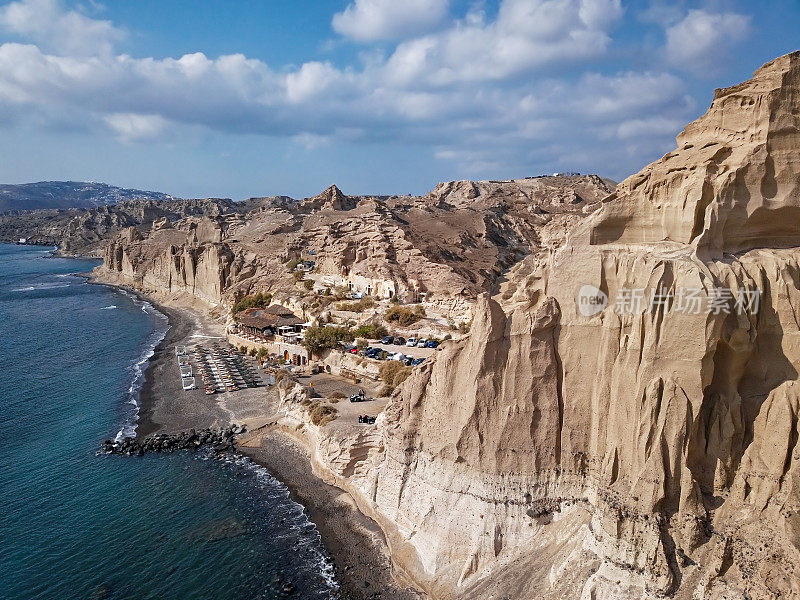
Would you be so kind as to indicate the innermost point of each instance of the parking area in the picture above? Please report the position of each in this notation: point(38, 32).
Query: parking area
point(407, 350)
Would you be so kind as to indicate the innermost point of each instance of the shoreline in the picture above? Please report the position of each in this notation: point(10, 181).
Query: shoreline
point(354, 542)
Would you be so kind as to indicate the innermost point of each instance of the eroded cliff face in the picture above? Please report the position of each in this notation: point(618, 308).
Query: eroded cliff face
point(450, 244)
point(641, 451)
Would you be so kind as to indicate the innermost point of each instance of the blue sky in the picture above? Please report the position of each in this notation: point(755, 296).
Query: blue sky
point(248, 98)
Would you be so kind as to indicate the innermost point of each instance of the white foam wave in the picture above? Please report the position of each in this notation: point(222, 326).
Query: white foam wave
point(29, 288)
point(137, 372)
point(299, 520)
point(110, 307)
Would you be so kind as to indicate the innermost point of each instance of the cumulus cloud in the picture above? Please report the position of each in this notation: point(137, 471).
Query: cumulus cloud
point(54, 29)
point(525, 34)
point(702, 40)
point(481, 93)
point(371, 20)
point(132, 127)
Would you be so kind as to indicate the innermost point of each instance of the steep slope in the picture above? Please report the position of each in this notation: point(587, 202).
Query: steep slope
point(67, 194)
point(449, 245)
point(618, 453)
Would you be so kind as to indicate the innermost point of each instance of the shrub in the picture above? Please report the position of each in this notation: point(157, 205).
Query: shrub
point(361, 343)
point(447, 337)
point(262, 352)
point(357, 306)
point(252, 352)
point(259, 300)
point(322, 414)
point(402, 315)
point(393, 373)
point(318, 338)
point(308, 284)
point(298, 276)
point(292, 264)
point(372, 331)
point(336, 396)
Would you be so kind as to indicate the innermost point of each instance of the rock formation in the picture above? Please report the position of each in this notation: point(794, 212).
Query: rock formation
point(648, 449)
point(450, 245)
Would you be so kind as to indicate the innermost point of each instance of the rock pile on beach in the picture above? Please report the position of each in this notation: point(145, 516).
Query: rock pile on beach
point(219, 440)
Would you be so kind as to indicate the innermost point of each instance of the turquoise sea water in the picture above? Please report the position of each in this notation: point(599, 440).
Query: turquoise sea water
point(77, 525)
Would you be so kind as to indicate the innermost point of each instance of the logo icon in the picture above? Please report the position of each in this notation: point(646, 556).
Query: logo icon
point(591, 300)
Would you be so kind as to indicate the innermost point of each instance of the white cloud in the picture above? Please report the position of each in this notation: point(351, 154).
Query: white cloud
point(484, 93)
point(703, 40)
point(60, 31)
point(370, 20)
point(526, 34)
point(131, 127)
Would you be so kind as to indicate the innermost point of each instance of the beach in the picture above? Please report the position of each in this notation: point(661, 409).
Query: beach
point(354, 541)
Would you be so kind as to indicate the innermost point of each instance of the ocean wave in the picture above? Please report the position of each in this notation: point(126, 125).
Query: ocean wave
point(299, 522)
point(111, 306)
point(29, 288)
point(137, 370)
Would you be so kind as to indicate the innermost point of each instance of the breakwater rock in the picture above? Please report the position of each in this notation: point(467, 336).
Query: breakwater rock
point(219, 440)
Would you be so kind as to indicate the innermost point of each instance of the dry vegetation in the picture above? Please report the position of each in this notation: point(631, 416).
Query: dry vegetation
point(393, 373)
point(322, 414)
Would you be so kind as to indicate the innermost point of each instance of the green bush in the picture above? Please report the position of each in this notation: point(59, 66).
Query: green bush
point(292, 264)
point(298, 276)
point(361, 343)
point(259, 300)
point(372, 331)
point(308, 284)
point(318, 338)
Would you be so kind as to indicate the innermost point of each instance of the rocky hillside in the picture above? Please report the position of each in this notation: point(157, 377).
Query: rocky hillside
point(86, 232)
point(629, 450)
point(447, 246)
point(67, 194)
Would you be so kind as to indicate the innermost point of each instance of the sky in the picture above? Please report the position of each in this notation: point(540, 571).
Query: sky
point(212, 98)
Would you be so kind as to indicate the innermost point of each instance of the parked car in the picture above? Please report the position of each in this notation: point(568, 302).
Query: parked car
point(411, 342)
point(399, 341)
point(417, 361)
point(408, 361)
point(433, 343)
point(361, 396)
point(397, 356)
point(353, 350)
point(387, 340)
point(422, 343)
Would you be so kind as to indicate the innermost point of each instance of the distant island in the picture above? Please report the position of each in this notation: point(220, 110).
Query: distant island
point(68, 194)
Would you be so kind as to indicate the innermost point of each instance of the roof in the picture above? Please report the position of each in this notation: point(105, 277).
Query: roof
point(272, 316)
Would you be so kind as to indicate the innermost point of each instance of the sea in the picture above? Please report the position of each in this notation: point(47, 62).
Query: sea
point(75, 524)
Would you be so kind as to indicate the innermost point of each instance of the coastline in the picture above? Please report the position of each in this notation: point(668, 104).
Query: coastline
point(355, 542)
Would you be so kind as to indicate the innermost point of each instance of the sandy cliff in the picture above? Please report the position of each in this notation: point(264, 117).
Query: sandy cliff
point(451, 244)
point(641, 451)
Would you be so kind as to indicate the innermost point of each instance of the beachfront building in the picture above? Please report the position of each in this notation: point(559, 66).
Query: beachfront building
point(267, 322)
point(275, 328)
